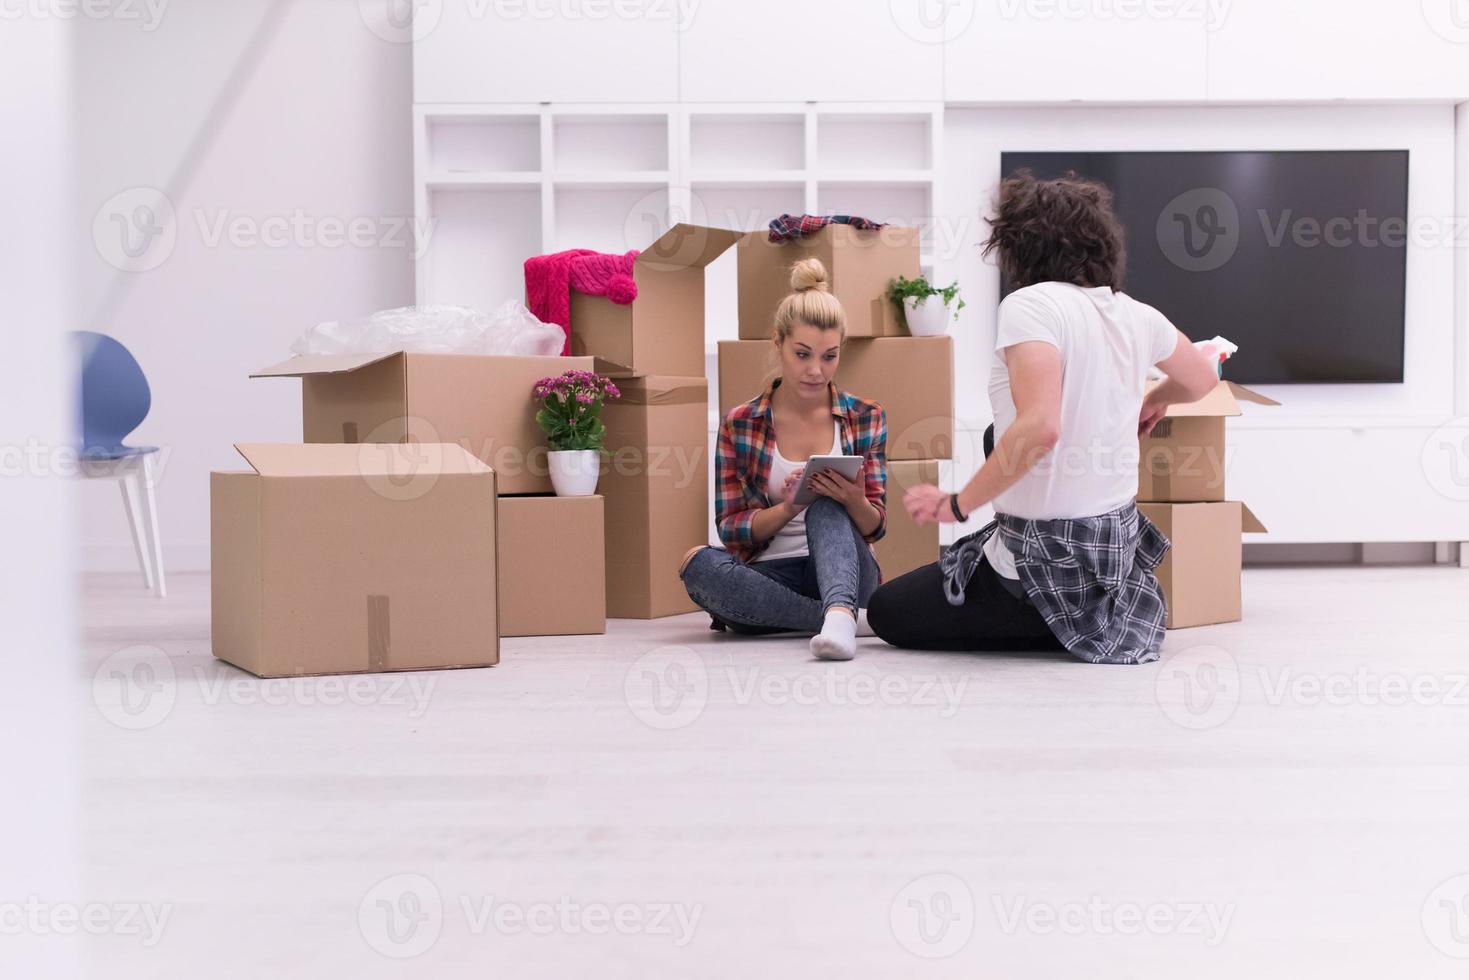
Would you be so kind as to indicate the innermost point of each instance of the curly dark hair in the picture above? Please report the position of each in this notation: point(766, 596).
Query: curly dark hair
point(1059, 230)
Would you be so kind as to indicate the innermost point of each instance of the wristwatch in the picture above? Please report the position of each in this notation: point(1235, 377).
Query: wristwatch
point(959, 515)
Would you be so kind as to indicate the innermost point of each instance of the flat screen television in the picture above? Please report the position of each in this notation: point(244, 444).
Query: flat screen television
point(1299, 257)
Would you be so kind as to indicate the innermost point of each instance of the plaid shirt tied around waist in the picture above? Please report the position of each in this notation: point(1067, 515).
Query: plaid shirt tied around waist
point(1091, 578)
point(747, 442)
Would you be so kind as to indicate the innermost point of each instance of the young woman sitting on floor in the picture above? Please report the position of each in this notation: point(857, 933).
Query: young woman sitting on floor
point(787, 567)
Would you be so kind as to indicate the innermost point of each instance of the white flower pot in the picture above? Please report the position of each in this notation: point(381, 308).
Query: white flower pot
point(574, 472)
point(928, 319)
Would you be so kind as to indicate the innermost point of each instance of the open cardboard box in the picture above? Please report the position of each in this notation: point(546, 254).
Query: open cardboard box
point(482, 402)
point(339, 559)
point(911, 377)
point(662, 331)
point(1201, 574)
point(859, 265)
point(1183, 458)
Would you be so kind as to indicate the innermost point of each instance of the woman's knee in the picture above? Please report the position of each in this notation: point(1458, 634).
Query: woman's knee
point(701, 563)
point(824, 508)
point(827, 518)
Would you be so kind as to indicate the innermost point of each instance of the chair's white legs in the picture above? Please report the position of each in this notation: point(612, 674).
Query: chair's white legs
point(128, 482)
point(150, 521)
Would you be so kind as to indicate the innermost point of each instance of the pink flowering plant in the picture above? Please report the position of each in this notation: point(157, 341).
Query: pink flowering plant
point(571, 409)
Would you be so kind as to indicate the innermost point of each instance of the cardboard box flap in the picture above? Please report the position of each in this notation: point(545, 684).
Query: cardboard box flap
point(1248, 395)
point(614, 370)
point(304, 364)
point(1222, 401)
point(663, 389)
point(1249, 523)
point(363, 459)
point(684, 246)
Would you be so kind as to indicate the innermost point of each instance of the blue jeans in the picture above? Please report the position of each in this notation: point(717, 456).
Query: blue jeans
point(788, 594)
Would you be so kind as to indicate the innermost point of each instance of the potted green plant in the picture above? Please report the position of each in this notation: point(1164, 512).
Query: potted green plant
point(924, 318)
point(571, 417)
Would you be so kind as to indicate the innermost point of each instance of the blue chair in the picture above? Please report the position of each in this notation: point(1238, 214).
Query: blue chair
point(115, 399)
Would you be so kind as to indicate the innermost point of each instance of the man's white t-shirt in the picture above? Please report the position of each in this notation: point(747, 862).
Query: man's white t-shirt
point(1108, 341)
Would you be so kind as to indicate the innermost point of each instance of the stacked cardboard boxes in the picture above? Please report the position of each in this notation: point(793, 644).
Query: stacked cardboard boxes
point(911, 377)
point(549, 548)
point(654, 476)
point(1181, 489)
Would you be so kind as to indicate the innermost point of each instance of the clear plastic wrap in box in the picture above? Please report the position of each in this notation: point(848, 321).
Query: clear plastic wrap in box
point(510, 329)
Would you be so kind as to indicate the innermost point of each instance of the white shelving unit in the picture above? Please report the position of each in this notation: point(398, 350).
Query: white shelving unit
point(497, 184)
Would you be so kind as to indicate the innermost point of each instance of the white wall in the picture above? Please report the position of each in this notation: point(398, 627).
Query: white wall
point(240, 112)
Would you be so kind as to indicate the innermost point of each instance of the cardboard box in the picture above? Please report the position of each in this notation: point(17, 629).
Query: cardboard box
point(911, 377)
point(481, 402)
point(656, 482)
point(662, 331)
point(1201, 575)
point(553, 578)
point(337, 559)
point(1183, 458)
point(907, 545)
point(860, 265)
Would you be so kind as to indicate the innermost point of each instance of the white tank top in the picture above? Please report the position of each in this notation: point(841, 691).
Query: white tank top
point(790, 541)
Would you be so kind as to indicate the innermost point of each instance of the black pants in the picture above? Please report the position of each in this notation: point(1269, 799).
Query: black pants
point(912, 611)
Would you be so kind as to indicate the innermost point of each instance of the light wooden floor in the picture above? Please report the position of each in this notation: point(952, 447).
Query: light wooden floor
point(799, 816)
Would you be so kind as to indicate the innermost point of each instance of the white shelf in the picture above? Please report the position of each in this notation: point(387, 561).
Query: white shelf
point(890, 178)
point(747, 141)
point(440, 181)
point(597, 143)
point(748, 178)
point(614, 177)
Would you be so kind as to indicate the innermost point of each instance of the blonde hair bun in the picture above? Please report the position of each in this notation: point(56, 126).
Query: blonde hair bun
point(809, 274)
point(811, 302)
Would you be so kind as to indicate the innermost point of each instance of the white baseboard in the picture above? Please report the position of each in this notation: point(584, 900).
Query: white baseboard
point(121, 558)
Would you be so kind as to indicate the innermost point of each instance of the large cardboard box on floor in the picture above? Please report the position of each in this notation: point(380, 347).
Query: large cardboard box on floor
point(662, 331)
point(338, 559)
point(859, 264)
point(1201, 574)
point(1183, 458)
point(912, 378)
point(482, 402)
point(553, 579)
point(907, 545)
point(655, 479)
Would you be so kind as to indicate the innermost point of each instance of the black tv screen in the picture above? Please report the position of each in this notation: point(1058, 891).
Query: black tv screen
point(1299, 257)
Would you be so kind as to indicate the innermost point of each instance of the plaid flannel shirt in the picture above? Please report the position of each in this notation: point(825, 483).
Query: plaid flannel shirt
point(791, 226)
point(746, 443)
point(1090, 577)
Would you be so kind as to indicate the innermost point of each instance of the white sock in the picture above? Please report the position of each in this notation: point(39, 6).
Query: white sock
point(862, 628)
point(838, 637)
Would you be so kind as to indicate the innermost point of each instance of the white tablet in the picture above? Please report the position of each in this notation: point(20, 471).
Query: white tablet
point(847, 466)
